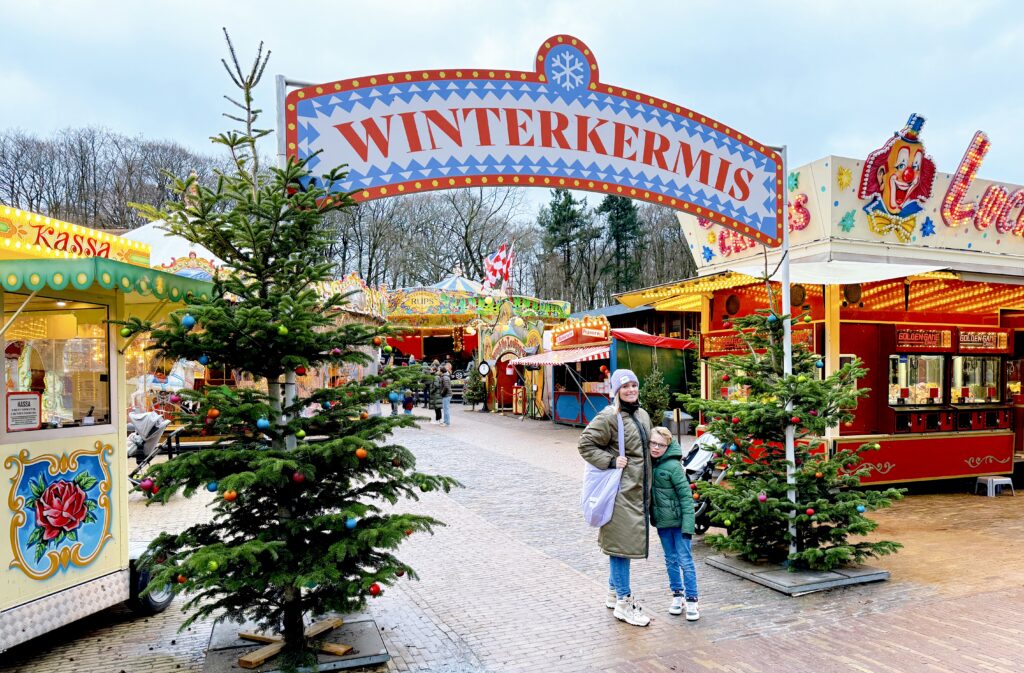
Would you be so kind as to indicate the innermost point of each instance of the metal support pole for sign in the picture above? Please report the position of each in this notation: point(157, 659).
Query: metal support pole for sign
point(787, 355)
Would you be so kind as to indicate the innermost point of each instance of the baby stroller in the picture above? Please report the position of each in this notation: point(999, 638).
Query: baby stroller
point(144, 441)
point(700, 466)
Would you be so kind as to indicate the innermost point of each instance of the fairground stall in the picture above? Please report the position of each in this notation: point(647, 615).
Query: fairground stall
point(505, 337)
point(584, 351)
point(65, 547)
point(918, 273)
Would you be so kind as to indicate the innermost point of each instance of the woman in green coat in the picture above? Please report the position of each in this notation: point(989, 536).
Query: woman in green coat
point(625, 536)
point(672, 515)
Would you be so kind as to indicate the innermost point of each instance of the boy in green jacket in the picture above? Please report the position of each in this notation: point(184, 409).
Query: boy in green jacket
point(672, 515)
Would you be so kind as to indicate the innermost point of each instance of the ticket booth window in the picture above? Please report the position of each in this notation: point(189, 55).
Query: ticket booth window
point(57, 356)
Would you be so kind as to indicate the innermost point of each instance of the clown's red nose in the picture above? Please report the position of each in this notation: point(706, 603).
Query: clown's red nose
point(908, 174)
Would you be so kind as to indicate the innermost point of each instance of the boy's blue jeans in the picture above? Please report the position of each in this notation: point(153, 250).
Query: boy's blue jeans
point(618, 578)
point(678, 555)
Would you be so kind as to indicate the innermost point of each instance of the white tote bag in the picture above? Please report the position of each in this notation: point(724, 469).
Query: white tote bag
point(600, 486)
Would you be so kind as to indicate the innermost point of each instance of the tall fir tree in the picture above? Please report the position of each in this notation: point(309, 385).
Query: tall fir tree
point(752, 503)
point(624, 232)
point(654, 394)
point(299, 527)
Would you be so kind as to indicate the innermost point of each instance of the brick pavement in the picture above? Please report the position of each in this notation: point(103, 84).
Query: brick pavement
point(515, 583)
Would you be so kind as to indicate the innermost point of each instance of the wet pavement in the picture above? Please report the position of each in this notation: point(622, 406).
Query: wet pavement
point(515, 582)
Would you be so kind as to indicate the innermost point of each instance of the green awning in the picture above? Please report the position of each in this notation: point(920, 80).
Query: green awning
point(83, 274)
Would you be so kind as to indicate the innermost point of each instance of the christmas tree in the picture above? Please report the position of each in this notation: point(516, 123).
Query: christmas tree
point(300, 527)
point(654, 396)
point(753, 501)
point(475, 392)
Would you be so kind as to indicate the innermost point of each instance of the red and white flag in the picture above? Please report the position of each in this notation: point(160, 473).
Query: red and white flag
point(496, 267)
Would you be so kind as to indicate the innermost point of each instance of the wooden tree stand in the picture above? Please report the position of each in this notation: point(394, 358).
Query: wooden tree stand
point(257, 658)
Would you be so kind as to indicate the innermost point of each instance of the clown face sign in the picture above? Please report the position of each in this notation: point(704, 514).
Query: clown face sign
point(897, 178)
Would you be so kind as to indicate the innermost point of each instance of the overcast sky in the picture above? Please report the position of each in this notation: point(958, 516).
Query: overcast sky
point(822, 77)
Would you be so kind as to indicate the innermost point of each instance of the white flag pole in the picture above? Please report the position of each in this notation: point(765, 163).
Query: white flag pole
point(787, 354)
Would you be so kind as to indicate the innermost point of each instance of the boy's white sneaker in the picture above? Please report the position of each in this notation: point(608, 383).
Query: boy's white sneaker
point(677, 605)
point(629, 611)
point(692, 611)
point(611, 599)
point(433, 422)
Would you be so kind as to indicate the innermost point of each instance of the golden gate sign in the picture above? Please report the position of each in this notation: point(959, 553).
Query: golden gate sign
point(555, 126)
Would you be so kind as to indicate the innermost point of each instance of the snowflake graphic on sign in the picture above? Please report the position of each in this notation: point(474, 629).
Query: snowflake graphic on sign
point(567, 68)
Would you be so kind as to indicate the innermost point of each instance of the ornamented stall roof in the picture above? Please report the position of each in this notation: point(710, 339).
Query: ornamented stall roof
point(174, 254)
point(432, 307)
point(362, 299)
point(25, 235)
point(459, 283)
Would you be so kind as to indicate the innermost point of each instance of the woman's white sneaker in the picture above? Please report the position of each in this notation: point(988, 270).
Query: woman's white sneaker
point(611, 599)
point(692, 611)
point(629, 611)
point(677, 605)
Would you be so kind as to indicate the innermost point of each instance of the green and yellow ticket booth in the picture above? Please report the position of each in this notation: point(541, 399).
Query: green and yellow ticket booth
point(64, 530)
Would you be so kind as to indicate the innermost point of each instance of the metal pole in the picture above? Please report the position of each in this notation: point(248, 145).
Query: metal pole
point(281, 90)
point(787, 356)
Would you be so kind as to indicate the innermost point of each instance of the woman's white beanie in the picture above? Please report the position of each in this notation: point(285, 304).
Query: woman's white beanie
point(620, 376)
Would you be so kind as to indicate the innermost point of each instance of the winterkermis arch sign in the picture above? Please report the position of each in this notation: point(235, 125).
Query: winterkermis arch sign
point(555, 126)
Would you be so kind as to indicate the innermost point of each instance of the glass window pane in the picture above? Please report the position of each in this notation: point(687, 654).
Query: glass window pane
point(975, 379)
point(60, 351)
point(915, 379)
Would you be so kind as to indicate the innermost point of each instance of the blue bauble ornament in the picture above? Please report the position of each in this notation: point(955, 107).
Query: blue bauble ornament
point(212, 487)
point(203, 359)
point(188, 322)
point(772, 318)
point(263, 424)
point(350, 523)
point(861, 508)
point(393, 397)
point(326, 405)
point(820, 364)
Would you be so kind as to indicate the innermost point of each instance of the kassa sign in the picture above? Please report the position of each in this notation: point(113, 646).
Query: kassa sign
point(557, 125)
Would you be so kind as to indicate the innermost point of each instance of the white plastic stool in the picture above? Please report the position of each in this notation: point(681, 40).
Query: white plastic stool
point(991, 483)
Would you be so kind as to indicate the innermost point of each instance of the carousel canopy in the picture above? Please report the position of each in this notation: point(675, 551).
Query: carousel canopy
point(174, 254)
point(459, 283)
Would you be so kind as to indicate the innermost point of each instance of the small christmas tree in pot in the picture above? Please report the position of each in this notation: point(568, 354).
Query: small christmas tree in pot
point(476, 391)
point(753, 502)
point(300, 528)
point(654, 394)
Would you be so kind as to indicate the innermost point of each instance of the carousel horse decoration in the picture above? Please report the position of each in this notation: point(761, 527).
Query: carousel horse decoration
point(897, 178)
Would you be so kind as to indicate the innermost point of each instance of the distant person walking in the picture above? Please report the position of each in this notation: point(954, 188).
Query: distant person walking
point(672, 514)
point(626, 535)
point(435, 397)
point(446, 394)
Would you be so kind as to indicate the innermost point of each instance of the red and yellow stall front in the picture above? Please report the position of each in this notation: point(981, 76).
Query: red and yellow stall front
point(918, 273)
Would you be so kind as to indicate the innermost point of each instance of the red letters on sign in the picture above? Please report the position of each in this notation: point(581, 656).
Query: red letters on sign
point(996, 205)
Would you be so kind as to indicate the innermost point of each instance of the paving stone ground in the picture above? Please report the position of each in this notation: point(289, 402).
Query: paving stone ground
point(515, 583)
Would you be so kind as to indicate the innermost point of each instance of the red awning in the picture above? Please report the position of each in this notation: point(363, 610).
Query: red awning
point(562, 357)
point(635, 336)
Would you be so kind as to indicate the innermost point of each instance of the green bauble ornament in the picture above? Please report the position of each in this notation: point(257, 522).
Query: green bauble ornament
point(125, 332)
point(282, 330)
point(212, 565)
point(299, 434)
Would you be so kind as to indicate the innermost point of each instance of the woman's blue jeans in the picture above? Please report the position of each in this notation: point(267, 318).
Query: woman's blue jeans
point(618, 578)
point(678, 555)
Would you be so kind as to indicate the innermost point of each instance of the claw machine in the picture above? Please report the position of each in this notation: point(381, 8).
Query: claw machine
point(65, 544)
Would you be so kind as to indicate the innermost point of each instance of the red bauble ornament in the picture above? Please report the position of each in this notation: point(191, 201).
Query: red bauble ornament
point(400, 573)
point(726, 324)
point(156, 489)
point(182, 579)
point(375, 589)
point(795, 420)
point(377, 341)
point(408, 531)
point(818, 475)
point(364, 415)
point(725, 377)
point(693, 487)
point(735, 419)
point(810, 512)
point(213, 413)
point(813, 412)
point(300, 371)
point(361, 453)
point(298, 477)
point(230, 496)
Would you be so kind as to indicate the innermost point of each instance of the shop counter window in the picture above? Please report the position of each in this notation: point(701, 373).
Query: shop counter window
point(915, 379)
point(976, 379)
point(56, 357)
point(727, 388)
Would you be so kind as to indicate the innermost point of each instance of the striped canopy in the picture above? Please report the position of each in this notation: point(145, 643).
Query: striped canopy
point(458, 283)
